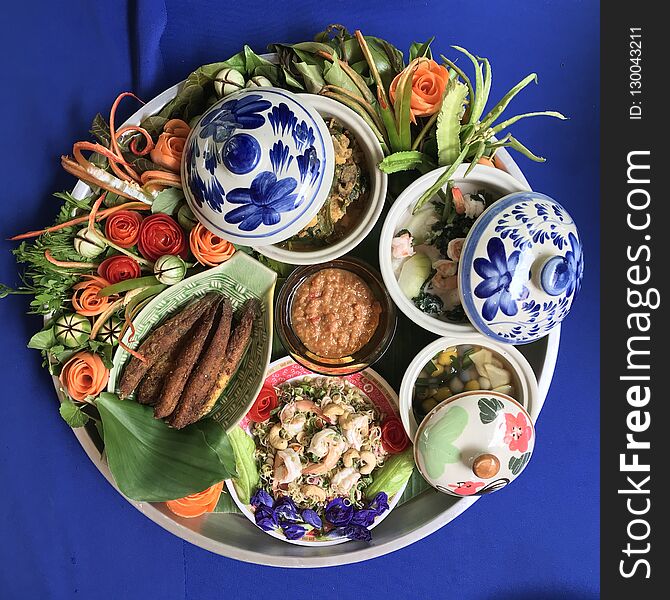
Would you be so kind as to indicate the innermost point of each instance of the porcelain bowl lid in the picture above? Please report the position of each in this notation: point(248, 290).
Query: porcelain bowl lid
point(258, 166)
point(521, 268)
point(474, 443)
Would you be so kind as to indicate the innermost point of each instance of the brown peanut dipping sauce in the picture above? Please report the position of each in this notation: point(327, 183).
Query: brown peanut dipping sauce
point(334, 313)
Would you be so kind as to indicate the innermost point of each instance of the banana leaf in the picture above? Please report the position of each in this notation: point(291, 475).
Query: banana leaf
point(152, 462)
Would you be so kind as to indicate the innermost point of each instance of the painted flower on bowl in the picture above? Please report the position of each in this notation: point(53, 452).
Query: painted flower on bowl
point(263, 202)
point(466, 488)
point(242, 113)
point(518, 432)
point(502, 286)
point(575, 262)
point(210, 192)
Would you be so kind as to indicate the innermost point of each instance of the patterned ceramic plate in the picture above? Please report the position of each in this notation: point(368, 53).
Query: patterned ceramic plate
point(373, 387)
point(239, 278)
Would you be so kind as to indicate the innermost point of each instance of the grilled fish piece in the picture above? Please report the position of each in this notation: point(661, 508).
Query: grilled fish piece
point(149, 389)
point(160, 341)
point(190, 351)
point(237, 347)
point(203, 377)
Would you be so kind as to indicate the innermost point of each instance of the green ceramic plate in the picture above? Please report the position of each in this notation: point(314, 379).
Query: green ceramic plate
point(239, 278)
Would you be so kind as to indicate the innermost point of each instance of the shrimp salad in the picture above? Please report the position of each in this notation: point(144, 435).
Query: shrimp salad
point(427, 251)
point(323, 441)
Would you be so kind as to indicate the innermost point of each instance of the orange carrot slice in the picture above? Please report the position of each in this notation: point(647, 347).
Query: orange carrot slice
point(197, 504)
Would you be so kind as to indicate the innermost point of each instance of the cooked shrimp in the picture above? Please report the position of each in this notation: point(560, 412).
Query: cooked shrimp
point(287, 467)
point(327, 464)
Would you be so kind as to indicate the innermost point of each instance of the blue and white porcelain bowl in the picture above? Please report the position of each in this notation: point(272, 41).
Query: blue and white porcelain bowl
point(258, 166)
point(521, 268)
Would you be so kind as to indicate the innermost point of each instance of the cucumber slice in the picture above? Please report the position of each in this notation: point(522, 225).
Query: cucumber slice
point(414, 273)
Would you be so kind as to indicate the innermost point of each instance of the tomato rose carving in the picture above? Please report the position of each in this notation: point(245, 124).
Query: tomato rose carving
point(123, 228)
point(119, 268)
point(265, 403)
point(394, 438)
point(160, 235)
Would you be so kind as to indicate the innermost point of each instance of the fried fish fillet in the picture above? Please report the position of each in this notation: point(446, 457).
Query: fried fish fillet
point(149, 389)
point(161, 340)
point(237, 346)
point(204, 375)
point(190, 351)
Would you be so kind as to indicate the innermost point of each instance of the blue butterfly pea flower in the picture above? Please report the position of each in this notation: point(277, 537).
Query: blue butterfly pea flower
point(339, 512)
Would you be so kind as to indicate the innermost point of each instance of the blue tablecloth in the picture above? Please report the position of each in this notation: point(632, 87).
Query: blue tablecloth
point(65, 532)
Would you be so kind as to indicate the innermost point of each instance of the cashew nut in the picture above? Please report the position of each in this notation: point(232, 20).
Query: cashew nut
point(275, 439)
point(349, 456)
point(314, 492)
point(368, 462)
point(298, 448)
point(332, 411)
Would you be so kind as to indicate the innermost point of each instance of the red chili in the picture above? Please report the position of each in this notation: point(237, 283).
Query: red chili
point(394, 438)
point(119, 268)
point(160, 235)
point(264, 404)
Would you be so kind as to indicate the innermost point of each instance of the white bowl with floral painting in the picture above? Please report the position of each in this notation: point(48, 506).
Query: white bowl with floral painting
point(474, 443)
point(355, 222)
point(467, 362)
point(487, 254)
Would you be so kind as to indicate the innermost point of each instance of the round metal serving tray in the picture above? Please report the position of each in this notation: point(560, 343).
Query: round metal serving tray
point(233, 536)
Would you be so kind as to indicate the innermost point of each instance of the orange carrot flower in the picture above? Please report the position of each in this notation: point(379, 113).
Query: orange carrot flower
point(86, 300)
point(170, 145)
point(84, 375)
point(208, 248)
point(196, 504)
point(429, 80)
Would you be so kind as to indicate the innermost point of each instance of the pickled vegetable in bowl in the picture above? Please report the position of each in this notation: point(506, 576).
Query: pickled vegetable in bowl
point(459, 369)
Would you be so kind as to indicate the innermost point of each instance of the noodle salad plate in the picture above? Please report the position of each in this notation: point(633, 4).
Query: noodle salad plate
point(325, 418)
point(256, 191)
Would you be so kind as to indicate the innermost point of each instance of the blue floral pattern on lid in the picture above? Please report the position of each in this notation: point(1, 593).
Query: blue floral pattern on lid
point(521, 268)
point(258, 166)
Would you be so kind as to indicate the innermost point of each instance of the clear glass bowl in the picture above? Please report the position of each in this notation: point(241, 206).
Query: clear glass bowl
point(368, 354)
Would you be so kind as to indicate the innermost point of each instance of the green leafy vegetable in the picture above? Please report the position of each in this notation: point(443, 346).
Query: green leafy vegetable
point(152, 462)
point(428, 303)
point(43, 340)
point(449, 122)
point(167, 201)
point(406, 161)
point(415, 486)
point(226, 504)
point(72, 414)
point(245, 462)
point(396, 470)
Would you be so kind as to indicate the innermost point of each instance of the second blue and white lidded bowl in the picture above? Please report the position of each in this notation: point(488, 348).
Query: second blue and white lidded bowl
point(258, 166)
point(522, 267)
